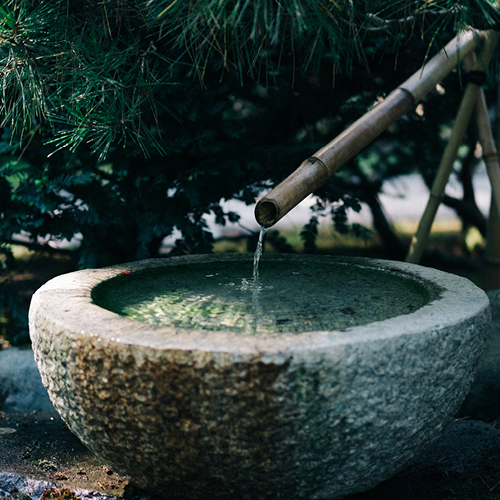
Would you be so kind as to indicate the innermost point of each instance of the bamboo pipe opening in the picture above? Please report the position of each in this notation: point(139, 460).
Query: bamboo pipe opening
point(267, 212)
point(311, 174)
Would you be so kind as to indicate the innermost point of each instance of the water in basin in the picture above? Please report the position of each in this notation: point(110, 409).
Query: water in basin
point(291, 298)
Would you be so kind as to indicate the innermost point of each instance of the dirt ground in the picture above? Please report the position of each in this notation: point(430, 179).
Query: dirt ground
point(40, 446)
point(464, 464)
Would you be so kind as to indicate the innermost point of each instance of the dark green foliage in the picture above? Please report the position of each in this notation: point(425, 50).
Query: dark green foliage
point(278, 242)
point(309, 234)
point(93, 72)
point(14, 316)
point(13, 308)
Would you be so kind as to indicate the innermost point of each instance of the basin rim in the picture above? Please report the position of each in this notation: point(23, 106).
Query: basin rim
point(66, 302)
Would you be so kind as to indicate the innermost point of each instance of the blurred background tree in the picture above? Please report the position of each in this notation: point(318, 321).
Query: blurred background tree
point(123, 120)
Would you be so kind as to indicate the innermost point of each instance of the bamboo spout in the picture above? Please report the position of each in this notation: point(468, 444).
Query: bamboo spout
point(315, 171)
point(311, 174)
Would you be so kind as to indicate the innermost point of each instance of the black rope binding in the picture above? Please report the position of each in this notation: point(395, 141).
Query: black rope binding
point(476, 77)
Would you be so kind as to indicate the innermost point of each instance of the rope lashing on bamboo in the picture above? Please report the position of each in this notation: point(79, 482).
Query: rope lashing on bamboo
point(315, 171)
point(476, 77)
point(490, 157)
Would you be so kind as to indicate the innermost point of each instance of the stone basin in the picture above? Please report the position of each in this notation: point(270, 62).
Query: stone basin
point(294, 405)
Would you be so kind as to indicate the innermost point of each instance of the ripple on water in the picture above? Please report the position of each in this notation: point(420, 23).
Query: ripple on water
point(291, 297)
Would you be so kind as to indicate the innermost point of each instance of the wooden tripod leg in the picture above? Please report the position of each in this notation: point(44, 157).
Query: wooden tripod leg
point(421, 237)
point(490, 156)
point(487, 141)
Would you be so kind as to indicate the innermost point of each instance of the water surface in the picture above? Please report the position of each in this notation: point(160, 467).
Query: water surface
point(292, 297)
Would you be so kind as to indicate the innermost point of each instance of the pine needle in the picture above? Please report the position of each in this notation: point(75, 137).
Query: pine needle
point(91, 71)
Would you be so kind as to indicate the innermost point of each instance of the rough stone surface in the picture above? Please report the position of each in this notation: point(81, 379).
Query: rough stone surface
point(483, 400)
point(21, 388)
point(316, 415)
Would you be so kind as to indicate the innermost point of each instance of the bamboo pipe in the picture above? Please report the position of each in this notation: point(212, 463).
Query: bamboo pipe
point(469, 100)
point(314, 171)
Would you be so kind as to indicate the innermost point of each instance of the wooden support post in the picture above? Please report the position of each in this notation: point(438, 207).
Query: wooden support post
point(421, 237)
point(492, 253)
point(490, 155)
point(473, 99)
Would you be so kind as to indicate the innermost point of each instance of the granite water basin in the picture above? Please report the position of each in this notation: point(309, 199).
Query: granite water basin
point(332, 376)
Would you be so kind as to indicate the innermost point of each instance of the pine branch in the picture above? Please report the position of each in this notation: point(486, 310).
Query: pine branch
point(93, 71)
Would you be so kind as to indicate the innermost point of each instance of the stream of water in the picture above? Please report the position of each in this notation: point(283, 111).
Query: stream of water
point(257, 309)
point(258, 254)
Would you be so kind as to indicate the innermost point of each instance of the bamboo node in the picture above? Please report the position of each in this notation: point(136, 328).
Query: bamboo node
point(410, 95)
point(315, 159)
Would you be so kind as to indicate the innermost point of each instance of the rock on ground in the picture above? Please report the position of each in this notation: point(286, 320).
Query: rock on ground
point(22, 488)
point(483, 400)
point(21, 388)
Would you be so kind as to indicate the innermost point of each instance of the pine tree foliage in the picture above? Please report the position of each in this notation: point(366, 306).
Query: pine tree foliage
point(246, 33)
point(78, 69)
point(90, 70)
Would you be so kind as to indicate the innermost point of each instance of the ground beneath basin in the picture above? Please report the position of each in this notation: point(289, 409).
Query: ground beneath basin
point(38, 452)
point(39, 446)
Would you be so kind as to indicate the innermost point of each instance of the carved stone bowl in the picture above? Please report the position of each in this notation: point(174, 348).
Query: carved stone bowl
point(194, 414)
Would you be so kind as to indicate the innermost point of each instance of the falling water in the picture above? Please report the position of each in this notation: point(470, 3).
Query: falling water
point(256, 306)
point(258, 255)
